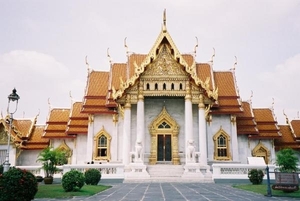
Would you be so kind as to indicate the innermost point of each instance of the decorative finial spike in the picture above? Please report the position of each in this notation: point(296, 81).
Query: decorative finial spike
point(164, 21)
point(195, 48)
point(70, 94)
point(126, 47)
point(87, 64)
point(235, 63)
point(273, 104)
point(286, 118)
point(212, 57)
point(108, 55)
point(251, 96)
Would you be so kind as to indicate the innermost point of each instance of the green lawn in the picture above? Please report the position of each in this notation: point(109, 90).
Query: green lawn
point(262, 189)
point(57, 191)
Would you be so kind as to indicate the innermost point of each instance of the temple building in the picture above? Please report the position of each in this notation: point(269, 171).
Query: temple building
point(160, 108)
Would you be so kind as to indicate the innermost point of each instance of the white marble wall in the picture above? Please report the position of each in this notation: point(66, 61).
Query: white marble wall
point(28, 158)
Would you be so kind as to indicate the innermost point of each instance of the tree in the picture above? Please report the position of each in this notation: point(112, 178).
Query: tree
point(287, 160)
point(50, 158)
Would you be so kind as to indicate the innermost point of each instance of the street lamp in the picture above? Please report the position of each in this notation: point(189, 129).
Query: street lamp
point(13, 97)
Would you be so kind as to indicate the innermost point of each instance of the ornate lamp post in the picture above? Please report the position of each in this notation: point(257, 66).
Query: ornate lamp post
point(13, 97)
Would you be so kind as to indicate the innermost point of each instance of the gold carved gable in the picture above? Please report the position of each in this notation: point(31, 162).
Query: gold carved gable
point(261, 151)
point(164, 116)
point(164, 65)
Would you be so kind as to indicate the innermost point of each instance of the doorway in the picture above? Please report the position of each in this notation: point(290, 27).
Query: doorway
point(164, 148)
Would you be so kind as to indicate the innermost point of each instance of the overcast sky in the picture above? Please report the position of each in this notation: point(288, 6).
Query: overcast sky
point(43, 45)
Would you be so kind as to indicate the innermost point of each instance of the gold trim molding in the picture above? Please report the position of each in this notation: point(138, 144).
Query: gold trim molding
point(164, 116)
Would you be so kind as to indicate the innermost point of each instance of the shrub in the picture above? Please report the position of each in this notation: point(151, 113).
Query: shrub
point(92, 176)
point(73, 181)
point(256, 176)
point(17, 185)
point(1, 169)
point(287, 160)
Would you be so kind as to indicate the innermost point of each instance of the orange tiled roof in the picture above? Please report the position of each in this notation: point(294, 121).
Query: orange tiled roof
point(228, 100)
point(245, 121)
point(96, 92)
point(138, 58)
point(287, 139)
point(24, 126)
point(266, 124)
point(78, 122)
point(118, 72)
point(296, 127)
point(36, 141)
point(188, 58)
point(56, 125)
point(204, 71)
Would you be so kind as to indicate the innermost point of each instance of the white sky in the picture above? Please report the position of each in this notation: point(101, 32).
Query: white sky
point(43, 45)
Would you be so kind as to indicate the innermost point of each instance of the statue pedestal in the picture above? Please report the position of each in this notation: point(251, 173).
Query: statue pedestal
point(138, 171)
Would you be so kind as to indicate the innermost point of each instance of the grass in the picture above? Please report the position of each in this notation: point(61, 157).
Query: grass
point(262, 189)
point(57, 191)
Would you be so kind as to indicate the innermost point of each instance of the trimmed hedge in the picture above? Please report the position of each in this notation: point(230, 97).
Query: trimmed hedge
point(92, 176)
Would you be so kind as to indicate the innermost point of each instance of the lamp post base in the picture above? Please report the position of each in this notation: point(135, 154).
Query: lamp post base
point(6, 164)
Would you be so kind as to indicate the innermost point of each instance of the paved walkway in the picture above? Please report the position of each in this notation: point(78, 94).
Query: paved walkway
point(172, 192)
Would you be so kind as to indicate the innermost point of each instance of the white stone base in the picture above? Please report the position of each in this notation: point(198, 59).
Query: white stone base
point(192, 170)
point(138, 171)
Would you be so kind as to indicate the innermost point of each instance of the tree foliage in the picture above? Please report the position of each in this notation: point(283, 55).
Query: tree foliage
point(50, 158)
point(287, 160)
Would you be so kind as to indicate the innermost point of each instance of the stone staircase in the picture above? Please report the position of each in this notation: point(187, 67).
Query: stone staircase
point(161, 173)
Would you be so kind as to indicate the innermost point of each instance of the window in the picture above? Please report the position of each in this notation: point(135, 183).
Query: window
point(221, 145)
point(172, 86)
point(156, 86)
point(180, 86)
point(164, 86)
point(102, 146)
point(164, 125)
point(148, 86)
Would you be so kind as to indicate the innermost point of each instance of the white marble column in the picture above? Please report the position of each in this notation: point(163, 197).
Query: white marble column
point(202, 132)
point(189, 141)
point(126, 131)
point(90, 140)
point(140, 138)
point(235, 150)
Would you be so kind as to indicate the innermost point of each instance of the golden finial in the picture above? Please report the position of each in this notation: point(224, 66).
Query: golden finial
point(273, 104)
point(164, 21)
point(234, 65)
point(108, 55)
point(1, 115)
point(286, 118)
point(298, 114)
point(125, 45)
point(70, 94)
point(251, 96)
point(214, 54)
point(87, 64)
point(49, 105)
point(195, 48)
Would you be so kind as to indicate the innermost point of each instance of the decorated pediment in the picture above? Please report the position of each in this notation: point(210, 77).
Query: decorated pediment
point(164, 65)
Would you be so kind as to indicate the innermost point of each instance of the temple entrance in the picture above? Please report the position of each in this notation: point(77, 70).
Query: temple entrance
point(164, 148)
point(164, 139)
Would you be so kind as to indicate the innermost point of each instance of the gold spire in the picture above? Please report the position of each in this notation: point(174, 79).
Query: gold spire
point(235, 63)
point(108, 56)
point(164, 21)
point(286, 118)
point(87, 64)
point(195, 48)
point(212, 57)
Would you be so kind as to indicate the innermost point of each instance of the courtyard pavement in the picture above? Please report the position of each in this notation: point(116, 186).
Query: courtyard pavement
point(172, 192)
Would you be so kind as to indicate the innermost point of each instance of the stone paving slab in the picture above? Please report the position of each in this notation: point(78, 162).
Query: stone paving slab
point(173, 192)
